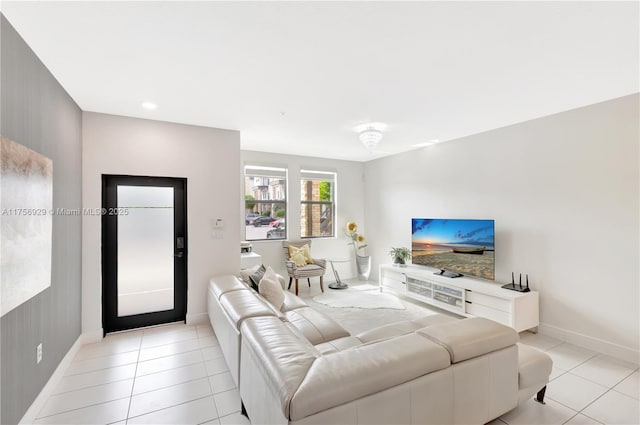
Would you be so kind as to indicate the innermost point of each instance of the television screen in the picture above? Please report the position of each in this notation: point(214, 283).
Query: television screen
point(461, 246)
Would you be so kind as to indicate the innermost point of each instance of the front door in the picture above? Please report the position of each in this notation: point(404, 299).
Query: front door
point(144, 251)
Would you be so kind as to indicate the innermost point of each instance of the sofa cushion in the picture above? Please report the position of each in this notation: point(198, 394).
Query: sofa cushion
point(241, 305)
point(404, 327)
point(310, 270)
point(472, 337)
point(269, 287)
point(341, 377)
point(291, 302)
point(222, 284)
point(534, 367)
point(339, 344)
point(316, 326)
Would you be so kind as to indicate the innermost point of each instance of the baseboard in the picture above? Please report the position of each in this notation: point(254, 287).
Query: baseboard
point(197, 318)
point(605, 347)
point(33, 410)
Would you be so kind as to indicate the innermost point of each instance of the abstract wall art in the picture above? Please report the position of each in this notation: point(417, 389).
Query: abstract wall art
point(26, 223)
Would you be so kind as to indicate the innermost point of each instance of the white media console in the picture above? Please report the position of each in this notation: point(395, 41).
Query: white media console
point(463, 295)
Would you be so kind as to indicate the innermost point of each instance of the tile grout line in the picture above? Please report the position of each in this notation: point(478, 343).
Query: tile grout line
point(169, 407)
point(103, 355)
point(171, 368)
point(92, 386)
point(193, 380)
point(138, 361)
point(213, 398)
point(608, 388)
point(133, 384)
point(80, 408)
point(581, 411)
point(141, 376)
point(173, 385)
point(567, 421)
point(603, 385)
point(603, 394)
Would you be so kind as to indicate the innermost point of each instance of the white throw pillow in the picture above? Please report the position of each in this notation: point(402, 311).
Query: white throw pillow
point(269, 287)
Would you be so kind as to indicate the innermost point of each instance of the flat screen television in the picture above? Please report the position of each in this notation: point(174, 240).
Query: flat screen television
point(454, 246)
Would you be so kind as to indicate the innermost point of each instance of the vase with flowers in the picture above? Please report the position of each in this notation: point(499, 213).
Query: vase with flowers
point(363, 262)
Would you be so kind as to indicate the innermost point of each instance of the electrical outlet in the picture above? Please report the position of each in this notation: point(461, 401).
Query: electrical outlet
point(39, 353)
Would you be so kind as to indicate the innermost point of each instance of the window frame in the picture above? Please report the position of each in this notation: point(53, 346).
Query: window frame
point(310, 175)
point(272, 173)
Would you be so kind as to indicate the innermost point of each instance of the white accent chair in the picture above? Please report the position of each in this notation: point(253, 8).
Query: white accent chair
point(316, 269)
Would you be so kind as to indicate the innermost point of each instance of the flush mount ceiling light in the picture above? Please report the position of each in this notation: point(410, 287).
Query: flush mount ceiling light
point(370, 134)
point(370, 138)
point(149, 105)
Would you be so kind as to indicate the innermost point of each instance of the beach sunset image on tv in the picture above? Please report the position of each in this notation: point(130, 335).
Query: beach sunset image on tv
point(462, 246)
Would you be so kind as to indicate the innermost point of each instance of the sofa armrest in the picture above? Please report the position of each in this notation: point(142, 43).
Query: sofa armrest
point(282, 357)
point(240, 305)
point(472, 337)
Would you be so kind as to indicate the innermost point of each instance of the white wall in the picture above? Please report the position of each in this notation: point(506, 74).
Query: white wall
point(209, 158)
point(350, 206)
point(563, 191)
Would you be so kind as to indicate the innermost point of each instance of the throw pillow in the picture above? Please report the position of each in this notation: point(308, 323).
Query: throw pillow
point(307, 253)
point(269, 287)
point(256, 276)
point(304, 250)
point(299, 259)
point(245, 274)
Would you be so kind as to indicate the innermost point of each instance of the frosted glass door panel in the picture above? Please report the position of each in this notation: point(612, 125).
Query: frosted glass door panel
point(145, 249)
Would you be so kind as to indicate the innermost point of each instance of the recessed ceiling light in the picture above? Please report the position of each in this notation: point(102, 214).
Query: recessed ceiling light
point(149, 105)
point(428, 143)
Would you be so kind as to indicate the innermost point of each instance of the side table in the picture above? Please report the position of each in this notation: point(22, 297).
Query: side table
point(249, 259)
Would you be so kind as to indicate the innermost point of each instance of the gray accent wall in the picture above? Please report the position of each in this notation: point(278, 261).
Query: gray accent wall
point(38, 113)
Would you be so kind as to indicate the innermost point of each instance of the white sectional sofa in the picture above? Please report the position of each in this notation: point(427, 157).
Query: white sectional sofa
point(298, 366)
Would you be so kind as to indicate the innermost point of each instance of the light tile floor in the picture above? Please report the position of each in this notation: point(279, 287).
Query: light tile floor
point(172, 374)
point(586, 388)
point(175, 374)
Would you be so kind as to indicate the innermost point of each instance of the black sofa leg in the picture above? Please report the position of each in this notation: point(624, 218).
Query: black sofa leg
point(243, 411)
point(540, 396)
point(309, 282)
point(290, 279)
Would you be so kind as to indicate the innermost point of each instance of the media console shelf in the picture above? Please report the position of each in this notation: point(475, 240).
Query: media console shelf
point(463, 296)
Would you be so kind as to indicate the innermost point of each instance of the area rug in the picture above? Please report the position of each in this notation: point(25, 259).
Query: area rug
point(363, 296)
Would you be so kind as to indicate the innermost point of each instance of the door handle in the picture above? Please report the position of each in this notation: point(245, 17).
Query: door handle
point(179, 254)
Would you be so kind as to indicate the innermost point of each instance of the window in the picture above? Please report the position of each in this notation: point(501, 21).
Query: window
point(317, 209)
point(265, 194)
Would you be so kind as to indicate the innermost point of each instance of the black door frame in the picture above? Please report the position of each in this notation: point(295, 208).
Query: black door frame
point(110, 320)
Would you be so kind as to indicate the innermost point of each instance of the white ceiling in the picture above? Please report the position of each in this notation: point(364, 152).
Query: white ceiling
point(297, 77)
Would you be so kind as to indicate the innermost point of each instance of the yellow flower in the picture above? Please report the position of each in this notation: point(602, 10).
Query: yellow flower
point(351, 226)
point(360, 239)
